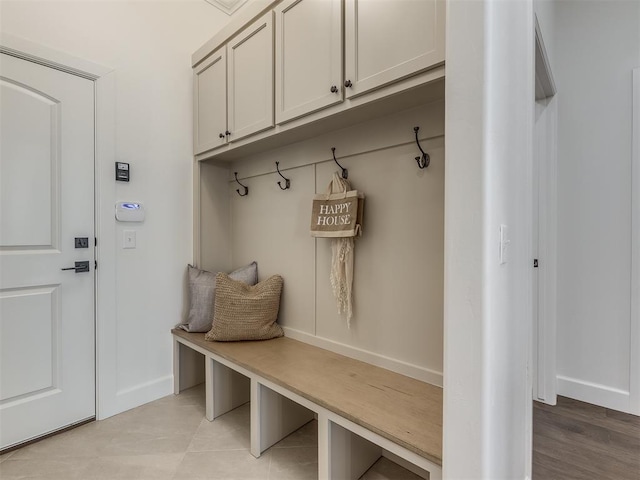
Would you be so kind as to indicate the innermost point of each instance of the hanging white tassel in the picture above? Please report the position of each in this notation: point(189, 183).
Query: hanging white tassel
point(342, 275)
point(342, 256)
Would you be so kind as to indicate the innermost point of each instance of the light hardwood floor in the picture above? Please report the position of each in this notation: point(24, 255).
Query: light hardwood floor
point(171, 439)
point(578, 441)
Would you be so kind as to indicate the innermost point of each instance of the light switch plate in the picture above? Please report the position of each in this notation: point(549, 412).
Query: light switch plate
point(504, 244)
point(129, 239)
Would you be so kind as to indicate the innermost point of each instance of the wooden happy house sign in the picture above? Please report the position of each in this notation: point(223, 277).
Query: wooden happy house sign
point(337, 214)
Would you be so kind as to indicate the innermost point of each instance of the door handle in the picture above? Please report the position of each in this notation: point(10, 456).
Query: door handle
point(80, 267)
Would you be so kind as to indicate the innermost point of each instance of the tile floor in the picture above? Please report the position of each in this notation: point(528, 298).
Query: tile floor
point(171, 439)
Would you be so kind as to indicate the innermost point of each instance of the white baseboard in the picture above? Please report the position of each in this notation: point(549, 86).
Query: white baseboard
point(398, 366)
point(138, 395)
point(594, 393)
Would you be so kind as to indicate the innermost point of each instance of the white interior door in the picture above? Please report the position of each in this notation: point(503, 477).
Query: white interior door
point(538, 373)
point(544, 227)
point(544, 249)
point(634, 384)
point(47, 361)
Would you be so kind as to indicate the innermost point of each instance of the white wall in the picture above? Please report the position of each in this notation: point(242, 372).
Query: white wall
point(149, 46)
point(597, 44)
point(489, 126)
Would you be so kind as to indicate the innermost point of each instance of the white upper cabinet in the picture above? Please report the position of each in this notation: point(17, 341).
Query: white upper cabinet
point(386, 41)
point(288, 69)
point(210, 102)
point(308, 57)
point(250, 79)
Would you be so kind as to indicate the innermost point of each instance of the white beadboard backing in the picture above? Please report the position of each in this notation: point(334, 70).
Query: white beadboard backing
point(271, 226)
point(410, 370)
point(211, 212)
point(398, 286)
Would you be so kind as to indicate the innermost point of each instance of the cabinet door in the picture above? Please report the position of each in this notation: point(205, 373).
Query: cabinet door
point(308, 56)
point(210, 102)
point(390, 40)
point(250, 94)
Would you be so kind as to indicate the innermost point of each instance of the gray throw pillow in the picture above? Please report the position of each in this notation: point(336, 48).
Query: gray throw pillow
point(202, 290)
point(245, 312)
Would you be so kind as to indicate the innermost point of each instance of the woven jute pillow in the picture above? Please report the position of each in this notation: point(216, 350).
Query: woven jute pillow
point(246, 312)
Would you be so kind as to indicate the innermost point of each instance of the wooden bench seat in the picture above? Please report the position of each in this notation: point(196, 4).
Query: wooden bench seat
point(397, 413)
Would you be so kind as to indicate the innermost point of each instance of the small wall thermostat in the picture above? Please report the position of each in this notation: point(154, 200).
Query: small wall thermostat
point(122, 172)
point(129, 212)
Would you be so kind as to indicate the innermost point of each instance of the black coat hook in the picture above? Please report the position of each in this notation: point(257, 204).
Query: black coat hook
point(423, 162)
point(246, 189)
point(345, 172)
point(287, 182)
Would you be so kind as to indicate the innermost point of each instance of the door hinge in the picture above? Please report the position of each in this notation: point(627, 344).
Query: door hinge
point(535, 263)
point(95, 264)
point(95, 241)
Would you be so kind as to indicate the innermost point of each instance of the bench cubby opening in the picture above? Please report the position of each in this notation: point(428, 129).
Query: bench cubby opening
point(273, 417)
point(351, 456)
point(225, 388)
